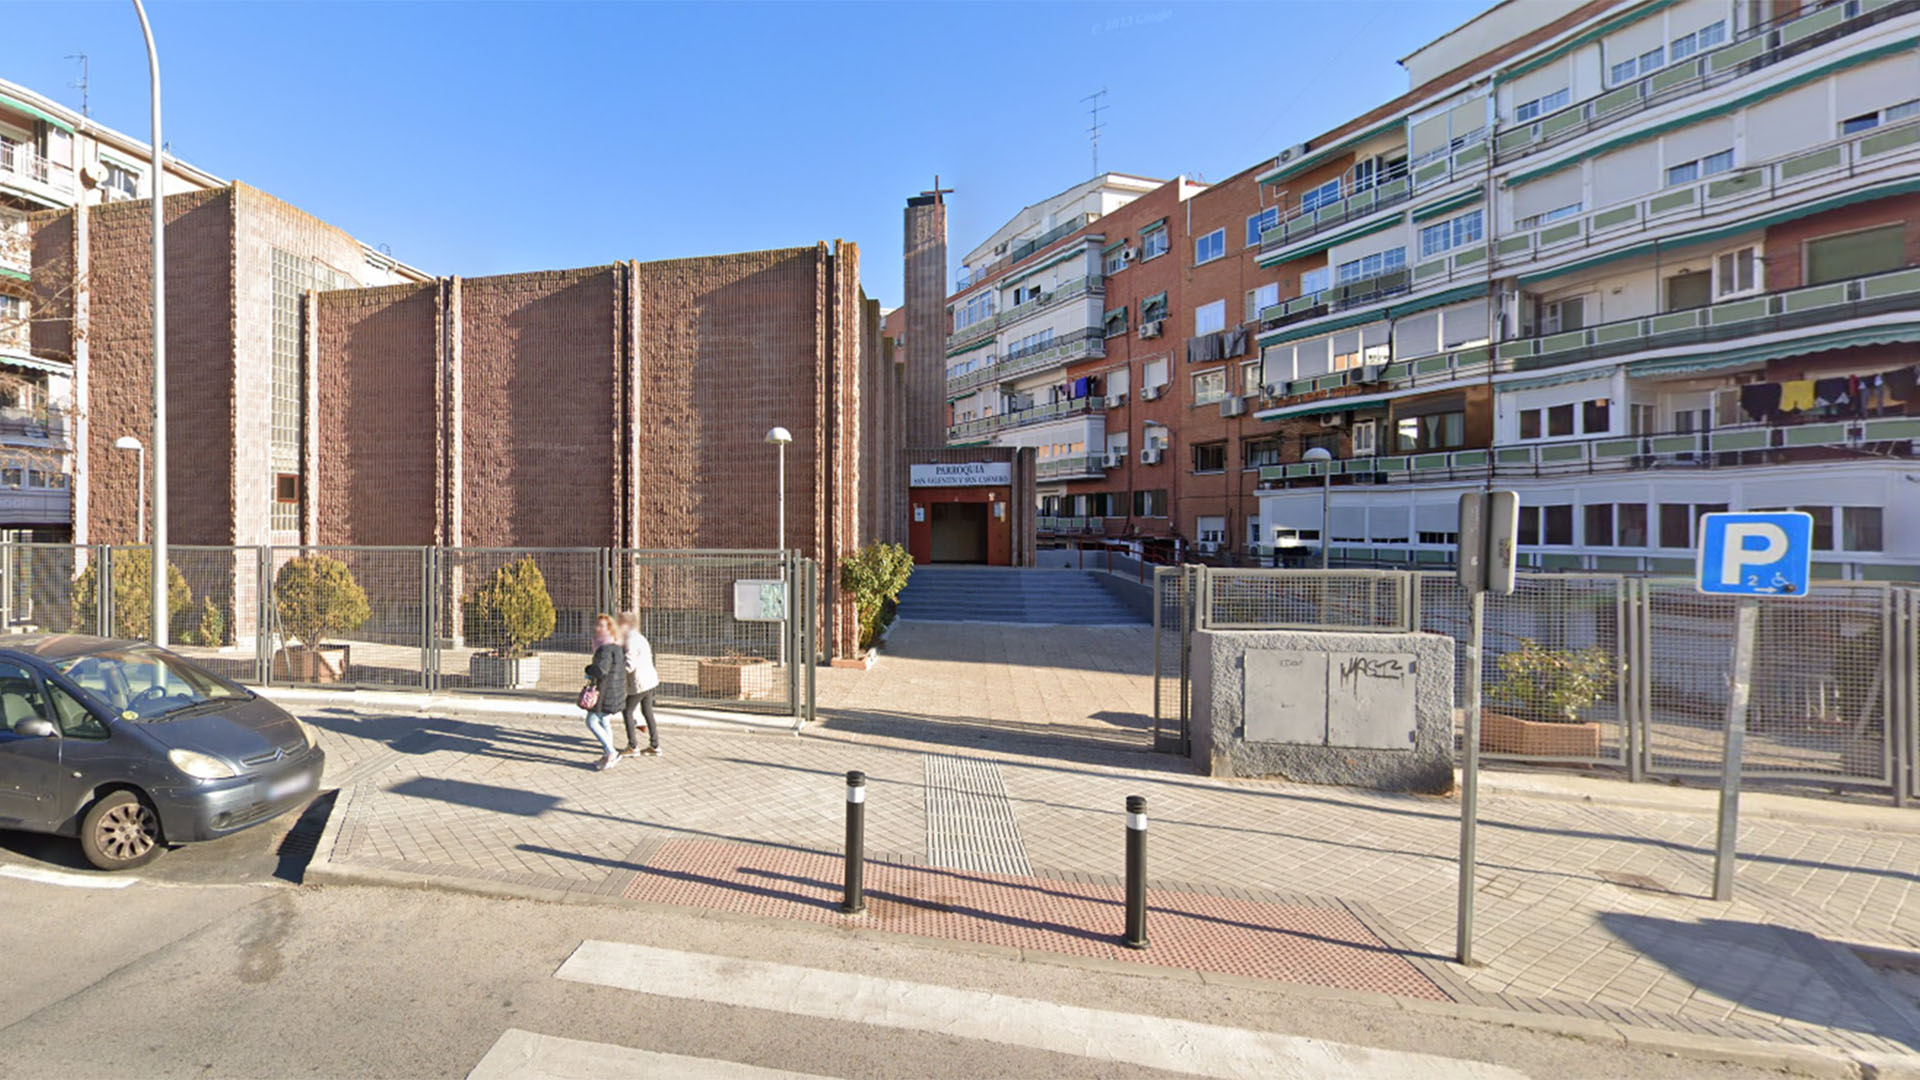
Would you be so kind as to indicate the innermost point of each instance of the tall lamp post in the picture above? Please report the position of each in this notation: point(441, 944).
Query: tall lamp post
point(780, 437)
point(159, 346)
point(1322, 455)
point(128, 442)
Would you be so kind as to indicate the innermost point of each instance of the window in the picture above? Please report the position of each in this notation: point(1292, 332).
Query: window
point(144, 681)
point(124, 181)
point(975, 308)
point(1364, 438)
point(1153, 244)
point(1676, 525)
point(1314, 281)
point(286, 488)
point(1685, 291)
point(1315, 198)
point(1560, 421)
point(1261, 222)
point(1737, 272)
point(1255, 453)
point(1439, 538)
point(1702, 39)
point(1822, 526)
point(1461, 231)
point(1251, 376)
point(1116, 259)
point(1260, 299)
point(1600, 525)
point(74, 719)
point(1209, 318)
point(1210, 457)
point(1621, 72)
point(1372, 266)
point(1688, 171)
point(1114, 322)
point(1557, 526)
point(1370, 172)
point(1560, 316)
point(1210, 531)
point(1439, 431)
point(1596, 417)
point(1630, 525)
point(1540, 106)
point(1860, 528)
point(1150, 503)
point(1869, 251)
point(1529, 423)
point(1210, 247)
point(1529, 532)
point(1321, 440)
point(1153, 308)
point(1210, 387)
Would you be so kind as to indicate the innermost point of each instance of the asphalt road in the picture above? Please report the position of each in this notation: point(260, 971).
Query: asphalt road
point(209, 965)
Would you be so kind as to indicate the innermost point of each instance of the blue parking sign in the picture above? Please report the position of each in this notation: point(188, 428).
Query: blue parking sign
point(1758, 554)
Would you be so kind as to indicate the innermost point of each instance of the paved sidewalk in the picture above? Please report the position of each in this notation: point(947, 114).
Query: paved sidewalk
point(1588, 908)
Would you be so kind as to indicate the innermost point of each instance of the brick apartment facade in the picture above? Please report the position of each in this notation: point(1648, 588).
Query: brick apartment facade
point(620, 406)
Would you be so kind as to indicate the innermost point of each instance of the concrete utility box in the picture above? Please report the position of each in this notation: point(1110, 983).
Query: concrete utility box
point(1368, 710)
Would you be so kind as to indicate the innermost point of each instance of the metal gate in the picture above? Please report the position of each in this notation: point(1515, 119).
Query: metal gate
point(1174, 597)
point(733, 630)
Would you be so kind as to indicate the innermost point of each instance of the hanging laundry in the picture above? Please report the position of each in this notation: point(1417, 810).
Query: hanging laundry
point(1830, 392)
point(1796, 395)
point(1080, 387)
point(1760, 400)
point(1856, 397)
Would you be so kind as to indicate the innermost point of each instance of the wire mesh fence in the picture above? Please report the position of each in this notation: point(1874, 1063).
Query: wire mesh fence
point(732, 630)
point(1371, 600)
point(1611, 670)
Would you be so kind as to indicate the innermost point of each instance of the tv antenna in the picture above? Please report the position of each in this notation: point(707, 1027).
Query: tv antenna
point(81, 85)
point(1099, 102)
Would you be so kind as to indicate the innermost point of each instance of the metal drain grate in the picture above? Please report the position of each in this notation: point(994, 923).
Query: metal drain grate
point(970, 822)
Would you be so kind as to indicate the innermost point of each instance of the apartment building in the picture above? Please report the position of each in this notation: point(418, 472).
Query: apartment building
point(1644, 262)
point(1638, 261)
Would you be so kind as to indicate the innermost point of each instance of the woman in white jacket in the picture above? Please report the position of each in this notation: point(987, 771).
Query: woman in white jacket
point(642, 681)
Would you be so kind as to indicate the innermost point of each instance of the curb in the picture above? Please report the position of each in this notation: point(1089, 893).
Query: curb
point(1662, 798)
point(1809, 1061)
point(418, 704)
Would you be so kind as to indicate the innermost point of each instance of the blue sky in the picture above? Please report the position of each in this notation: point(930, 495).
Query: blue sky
point(479, 138)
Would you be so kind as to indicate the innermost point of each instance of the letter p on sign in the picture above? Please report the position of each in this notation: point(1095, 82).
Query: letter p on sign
point(1766, 554)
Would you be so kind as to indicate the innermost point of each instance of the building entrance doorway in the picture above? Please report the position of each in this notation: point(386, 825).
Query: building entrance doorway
point(959, 532)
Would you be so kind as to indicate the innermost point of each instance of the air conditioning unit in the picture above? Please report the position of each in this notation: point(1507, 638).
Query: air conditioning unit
point(1040, 299)
point(1207, 547)
point(1336, 419)
point(1114, 459)
point(1128, 254)
point(1270, 390)
point(1150, 456)
point(1149, 393)
point(1293, 153)
point(1150, 329)
point(1373, 373)
point(1233, 406)
point(1114, 401)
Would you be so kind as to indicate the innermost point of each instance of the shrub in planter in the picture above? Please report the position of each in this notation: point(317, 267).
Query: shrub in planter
point(738, 677)
point(1547, 692)
point(315, 595)
point(875, 576)
point(504, 617)
point(132, 594)
point(211, 630)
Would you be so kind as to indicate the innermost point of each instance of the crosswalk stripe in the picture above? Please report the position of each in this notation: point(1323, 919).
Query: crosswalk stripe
point(62, 877)
point(526, 1055)
point(1181, 1046)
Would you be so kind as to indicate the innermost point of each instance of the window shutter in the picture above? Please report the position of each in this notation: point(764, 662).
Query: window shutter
point(1854, 254)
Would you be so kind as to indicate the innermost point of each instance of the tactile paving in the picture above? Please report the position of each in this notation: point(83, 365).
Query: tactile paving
point(970, 823)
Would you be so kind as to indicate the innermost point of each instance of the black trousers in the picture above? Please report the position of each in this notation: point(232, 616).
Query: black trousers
point(644, 702)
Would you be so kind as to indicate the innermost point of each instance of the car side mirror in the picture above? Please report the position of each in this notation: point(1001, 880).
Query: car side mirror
point(34, 728)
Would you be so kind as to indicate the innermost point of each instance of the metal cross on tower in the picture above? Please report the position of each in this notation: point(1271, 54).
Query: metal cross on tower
point(938, 191)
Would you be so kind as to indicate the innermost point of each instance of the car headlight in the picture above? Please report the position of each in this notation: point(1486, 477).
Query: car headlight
point(200, 766)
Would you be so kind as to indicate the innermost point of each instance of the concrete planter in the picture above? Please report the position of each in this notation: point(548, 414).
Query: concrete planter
point(504, 673)
point(740, 678)
point(1503, 734)
point(327, 664)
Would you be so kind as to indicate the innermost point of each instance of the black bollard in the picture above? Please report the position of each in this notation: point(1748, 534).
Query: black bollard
point(854, 900)
point(1136, 873)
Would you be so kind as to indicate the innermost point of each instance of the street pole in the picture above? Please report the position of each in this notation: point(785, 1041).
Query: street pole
point(1745, 618)
point(1470, 779)
point(160, 613)
point(141, 527)
point(783, 497)
point(1326, 516)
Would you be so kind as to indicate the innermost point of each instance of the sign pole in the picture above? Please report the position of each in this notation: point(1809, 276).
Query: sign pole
point(1745, 618)
point(1470, 778)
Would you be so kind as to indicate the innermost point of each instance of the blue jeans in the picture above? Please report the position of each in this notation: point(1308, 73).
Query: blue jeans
point(601, 724)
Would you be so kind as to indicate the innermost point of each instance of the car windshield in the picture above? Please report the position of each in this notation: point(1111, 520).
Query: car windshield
point(145, 684)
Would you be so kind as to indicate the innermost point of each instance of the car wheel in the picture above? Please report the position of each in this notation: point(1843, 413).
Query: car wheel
point(120, 832)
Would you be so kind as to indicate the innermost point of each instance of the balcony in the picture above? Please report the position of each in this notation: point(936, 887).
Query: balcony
point(1088, 285)
point(24, 171)
point(16, 247)
point(1351, 294)
point(1073, 467)
point(28, 427)
point(1742, 445)
point(1027, 248)
point(987, 425)
point(1767, 313)
point(1088, 344)
point(1813, 173)
point(1072, 525)
point(1754, 49)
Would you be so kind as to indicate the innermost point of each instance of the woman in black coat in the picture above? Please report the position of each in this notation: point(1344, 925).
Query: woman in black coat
point(607, 673)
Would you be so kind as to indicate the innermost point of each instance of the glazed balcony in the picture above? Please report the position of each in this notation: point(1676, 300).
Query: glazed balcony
point(968, 430)
point(1073, 467)
point(1089, 285)
point(1088, 344)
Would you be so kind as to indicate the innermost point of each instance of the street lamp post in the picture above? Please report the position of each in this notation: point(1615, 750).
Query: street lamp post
point(128, 442)
point(159, 346)
point(1322, 455)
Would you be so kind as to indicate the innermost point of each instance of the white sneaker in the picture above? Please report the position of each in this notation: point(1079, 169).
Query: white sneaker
point(609, 762)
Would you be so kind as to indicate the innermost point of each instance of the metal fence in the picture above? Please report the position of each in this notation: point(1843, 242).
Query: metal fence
point(1836, 698)
point(729, 629)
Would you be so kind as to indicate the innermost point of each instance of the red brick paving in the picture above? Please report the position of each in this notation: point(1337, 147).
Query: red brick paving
point(1301, 943)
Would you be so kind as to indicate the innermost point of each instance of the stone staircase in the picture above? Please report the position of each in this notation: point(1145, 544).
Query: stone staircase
point(1039, 597)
